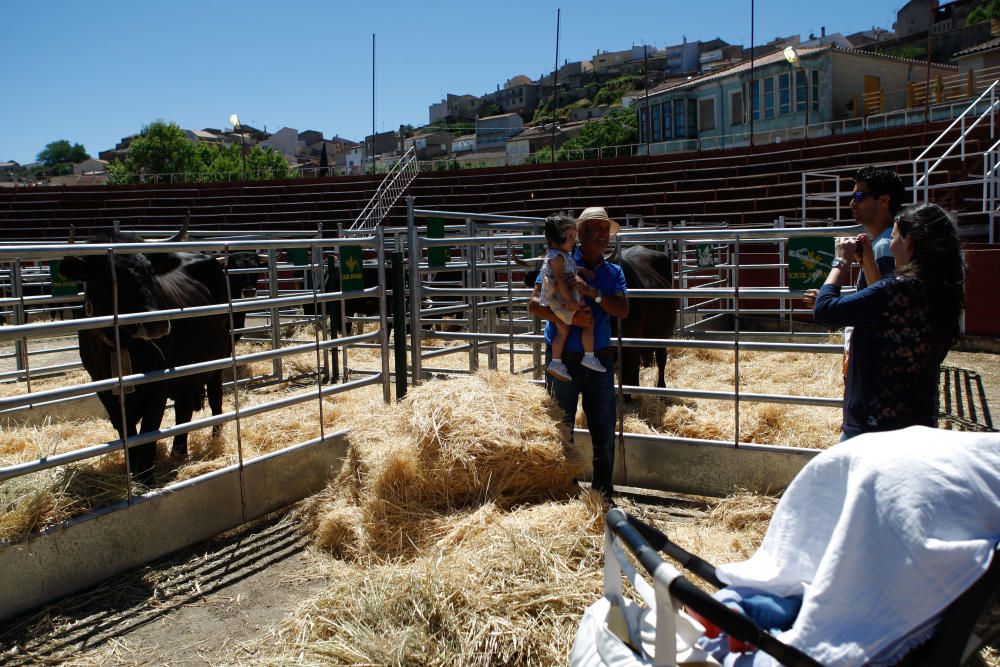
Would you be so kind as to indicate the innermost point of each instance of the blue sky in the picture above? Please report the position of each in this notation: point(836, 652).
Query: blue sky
point(93, 72)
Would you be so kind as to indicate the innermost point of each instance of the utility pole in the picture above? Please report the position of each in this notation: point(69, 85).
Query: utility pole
point(645, 85)
point(555, 89)
point(752, 87)
point(372, 153)
point(927, 84)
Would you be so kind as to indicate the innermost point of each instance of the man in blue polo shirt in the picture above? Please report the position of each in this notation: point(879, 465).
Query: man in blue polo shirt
point(605, 297)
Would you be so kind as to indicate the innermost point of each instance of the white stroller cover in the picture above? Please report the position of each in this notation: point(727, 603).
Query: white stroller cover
point(879, 534)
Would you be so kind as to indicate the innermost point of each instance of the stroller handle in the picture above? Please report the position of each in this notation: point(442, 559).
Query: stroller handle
point(732, 622)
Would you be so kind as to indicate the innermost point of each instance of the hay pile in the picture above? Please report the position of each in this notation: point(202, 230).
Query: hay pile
point(448, 445)
point(798, 374)
point(458, 535)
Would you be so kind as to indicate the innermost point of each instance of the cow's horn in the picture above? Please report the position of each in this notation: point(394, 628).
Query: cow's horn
point(72, 235)
point(534, 262)
point(181, 235)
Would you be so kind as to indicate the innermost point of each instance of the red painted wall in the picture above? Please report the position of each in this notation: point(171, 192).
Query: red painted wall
point(982, 290)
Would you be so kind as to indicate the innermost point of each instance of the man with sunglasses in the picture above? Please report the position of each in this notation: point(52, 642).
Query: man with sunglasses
point(875, 201)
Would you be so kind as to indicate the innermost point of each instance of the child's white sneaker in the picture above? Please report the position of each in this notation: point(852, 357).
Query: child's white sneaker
point(558, 370)
point(593, 363)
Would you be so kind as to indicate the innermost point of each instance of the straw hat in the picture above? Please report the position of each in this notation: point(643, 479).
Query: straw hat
point(597, 213)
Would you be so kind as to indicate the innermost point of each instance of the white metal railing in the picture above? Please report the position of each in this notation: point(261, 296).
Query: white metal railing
point(991, 162)
point(388, 193)
point(922, 184)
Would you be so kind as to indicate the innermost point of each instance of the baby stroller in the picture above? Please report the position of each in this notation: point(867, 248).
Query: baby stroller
point(922, 590)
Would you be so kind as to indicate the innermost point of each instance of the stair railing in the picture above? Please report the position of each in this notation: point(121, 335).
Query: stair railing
point(388, 193)
point(922, 184)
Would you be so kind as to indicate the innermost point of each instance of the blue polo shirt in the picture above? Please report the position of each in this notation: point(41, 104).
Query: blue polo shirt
point(884, 260)
point(609, 279)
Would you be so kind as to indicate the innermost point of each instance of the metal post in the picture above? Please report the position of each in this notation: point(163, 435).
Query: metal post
point(21, 344)
point(536, 328)
point(324, 309)
point(736, 342)
point(275, 316)
point(413, 242)
point(472, 255)
point(236, 390)
point(803, 179)
point(510, 310)
point(383, 321)
point(319, 309)
point(491, 313)
point(681, 253)
point(121, 385)
point(399, 321)
point(342, 323)
point(780, 224)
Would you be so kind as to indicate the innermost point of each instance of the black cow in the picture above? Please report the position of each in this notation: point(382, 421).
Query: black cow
point(148, 282)
point(647, 318)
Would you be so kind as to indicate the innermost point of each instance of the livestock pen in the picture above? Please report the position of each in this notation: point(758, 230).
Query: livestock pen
point(491, 309)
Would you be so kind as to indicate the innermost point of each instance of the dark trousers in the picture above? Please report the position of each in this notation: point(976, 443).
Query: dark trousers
point(598, 393)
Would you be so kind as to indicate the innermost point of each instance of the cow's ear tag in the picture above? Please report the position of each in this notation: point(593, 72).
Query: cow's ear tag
point(126, 369)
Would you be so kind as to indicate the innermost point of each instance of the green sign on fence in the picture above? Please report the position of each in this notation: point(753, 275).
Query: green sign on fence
point(352, 274)
point(706, 256)
point(809, 261)
point(437, 256)
point(61, 285)
point(298, 256)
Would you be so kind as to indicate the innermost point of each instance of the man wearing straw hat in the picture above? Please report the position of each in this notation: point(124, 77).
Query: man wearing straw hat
point(605, 296)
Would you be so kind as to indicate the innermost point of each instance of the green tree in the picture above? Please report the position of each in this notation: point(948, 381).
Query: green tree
point(541, 156)
point(60, 156)
point(612, 91)
point(324, 163)
point(163, 148)
point(617, 128)
point(985, 12)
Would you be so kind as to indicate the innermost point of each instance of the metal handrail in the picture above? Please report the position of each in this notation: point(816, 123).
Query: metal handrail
point(388, 193)
point(971, 107)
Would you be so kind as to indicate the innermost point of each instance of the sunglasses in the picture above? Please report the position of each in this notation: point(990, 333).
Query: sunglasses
point(858, 197)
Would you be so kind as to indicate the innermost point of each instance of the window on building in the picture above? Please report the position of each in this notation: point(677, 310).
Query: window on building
point(814, 97)
point(736, 108)
point(800, 91)
point(692, 118)
point(668, 117)
point(769, 97)
point(784, 94)
point(706, 114)
point(754, 89)
point(655, 121)
point(680, 119)
point(643, 115)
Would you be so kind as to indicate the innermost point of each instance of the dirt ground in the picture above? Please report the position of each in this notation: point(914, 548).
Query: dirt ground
point(214, 604)
point(201, 606)
point(217, 603)
point(987, 364)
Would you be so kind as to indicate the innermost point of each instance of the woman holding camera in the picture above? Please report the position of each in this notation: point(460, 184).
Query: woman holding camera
point(903, 324)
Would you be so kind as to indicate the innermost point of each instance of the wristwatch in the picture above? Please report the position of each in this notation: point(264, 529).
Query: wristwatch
point(597, 299)
point(837, 262)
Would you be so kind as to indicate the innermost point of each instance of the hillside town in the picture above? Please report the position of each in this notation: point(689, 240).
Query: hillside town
point(698, 94)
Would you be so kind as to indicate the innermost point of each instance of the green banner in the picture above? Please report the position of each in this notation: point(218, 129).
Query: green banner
point(809, 261)
point(61, 285)
point(352, 273)
point(437, 256)
point(706, 256)
point(298, 256)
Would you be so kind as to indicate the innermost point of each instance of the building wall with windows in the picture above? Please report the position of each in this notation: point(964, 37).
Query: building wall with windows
point(824, 86)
